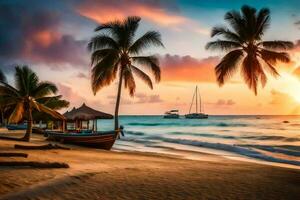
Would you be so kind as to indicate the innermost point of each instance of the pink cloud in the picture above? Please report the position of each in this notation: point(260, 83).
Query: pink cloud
point(187, 68)
point(104, 11)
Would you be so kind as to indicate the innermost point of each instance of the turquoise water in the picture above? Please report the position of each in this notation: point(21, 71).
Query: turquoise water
point(274, 139)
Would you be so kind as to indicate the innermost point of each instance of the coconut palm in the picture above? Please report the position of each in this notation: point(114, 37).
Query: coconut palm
point(28, 95)
point(114, 51)
point(246, 49)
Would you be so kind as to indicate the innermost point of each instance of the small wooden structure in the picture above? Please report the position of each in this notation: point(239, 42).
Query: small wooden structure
point(84, 135)
point(85, 114)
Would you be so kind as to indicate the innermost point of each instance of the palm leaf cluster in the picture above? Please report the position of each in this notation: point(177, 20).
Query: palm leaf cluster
point(114, 51)
point(246, 49)
point(29, 94)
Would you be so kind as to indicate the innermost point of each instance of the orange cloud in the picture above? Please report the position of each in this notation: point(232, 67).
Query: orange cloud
point(102, 12)
point(187, 68)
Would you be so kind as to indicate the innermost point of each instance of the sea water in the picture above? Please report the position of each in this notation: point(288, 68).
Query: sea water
point(272, 139)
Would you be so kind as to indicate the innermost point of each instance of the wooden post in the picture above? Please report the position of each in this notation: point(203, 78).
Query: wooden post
point(96, 124)
point(63, 126)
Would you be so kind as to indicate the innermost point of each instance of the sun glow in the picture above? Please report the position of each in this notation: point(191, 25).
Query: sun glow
point(291, 86)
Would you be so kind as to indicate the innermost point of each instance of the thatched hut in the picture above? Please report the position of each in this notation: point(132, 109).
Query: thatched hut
point(78, 116)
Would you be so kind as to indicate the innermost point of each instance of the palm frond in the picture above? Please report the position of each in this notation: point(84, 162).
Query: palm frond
point(17, 114)
point(262, 22)
point(272, 56)
point(130, 25)
point(271, 69)
point(50, 111)
point(104, 72)
point(43, 89)
point(149, 39)
point(7, 90)
point(26, 80)
point(142, 75)
point(98, 55)
point(226, 33)
point(149, 61)
point(276, 45)
point(236, 21)
point(228, 66)
point(102, 41)
point(129, 81)
point(251, 72)
point(223, 45)
point(54, 102)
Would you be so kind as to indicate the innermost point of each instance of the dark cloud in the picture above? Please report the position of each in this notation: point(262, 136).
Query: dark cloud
point(30, 33)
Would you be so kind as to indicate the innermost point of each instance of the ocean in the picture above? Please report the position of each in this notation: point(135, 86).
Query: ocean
point(268, 139)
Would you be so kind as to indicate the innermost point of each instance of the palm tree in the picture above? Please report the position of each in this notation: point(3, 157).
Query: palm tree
point(246, 49)
point(26, 96)
point(114, 51)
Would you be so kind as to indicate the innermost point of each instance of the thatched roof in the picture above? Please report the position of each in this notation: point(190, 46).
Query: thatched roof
point(86, 113)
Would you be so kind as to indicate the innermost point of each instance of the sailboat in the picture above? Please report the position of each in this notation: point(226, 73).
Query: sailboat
point(196, 115)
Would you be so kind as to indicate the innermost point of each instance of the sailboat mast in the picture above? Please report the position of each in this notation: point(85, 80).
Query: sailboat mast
point(196, 99)
point(200, 102)
point(192, 103)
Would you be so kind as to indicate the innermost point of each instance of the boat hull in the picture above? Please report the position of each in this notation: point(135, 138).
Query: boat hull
point(13, 127)
point(101, 140)
point(196, 116)
point(171, 116)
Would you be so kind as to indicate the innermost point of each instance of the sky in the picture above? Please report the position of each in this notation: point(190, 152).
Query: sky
point(51, 37)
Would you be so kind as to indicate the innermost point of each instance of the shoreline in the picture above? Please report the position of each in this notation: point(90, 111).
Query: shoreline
point(99, 174)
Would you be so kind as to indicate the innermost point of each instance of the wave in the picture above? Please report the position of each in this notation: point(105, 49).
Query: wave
point(134, 133)
point(275, 149)
point(245, 150)
point(271, 137)
point(204, 135)
point(221, 124)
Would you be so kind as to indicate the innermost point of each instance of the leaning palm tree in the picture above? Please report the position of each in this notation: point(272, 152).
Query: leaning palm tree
point(26, 96)
point(246, 49)
point(114, 51)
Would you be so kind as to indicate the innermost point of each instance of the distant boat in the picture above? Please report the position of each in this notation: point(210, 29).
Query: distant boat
point(172, 114)
point(196, 115)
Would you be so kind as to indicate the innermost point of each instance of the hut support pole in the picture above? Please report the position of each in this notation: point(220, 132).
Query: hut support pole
point(96, 125)
point(63, 125)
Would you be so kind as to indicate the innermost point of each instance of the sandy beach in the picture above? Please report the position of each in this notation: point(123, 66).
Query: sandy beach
point(99, 174)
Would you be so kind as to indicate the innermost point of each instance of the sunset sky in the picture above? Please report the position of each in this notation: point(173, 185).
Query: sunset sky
point(51, 37)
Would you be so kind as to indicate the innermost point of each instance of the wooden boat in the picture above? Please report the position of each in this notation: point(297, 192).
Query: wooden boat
point(101, 140)
point(196, 115)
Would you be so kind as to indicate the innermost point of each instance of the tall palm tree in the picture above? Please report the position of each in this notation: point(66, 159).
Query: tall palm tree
point(26, 96)
point(246, 49)
point(114, 51)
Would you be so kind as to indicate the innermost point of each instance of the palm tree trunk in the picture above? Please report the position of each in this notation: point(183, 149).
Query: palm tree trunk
point(2, 118)
point(118, 101)
point(29, 125)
